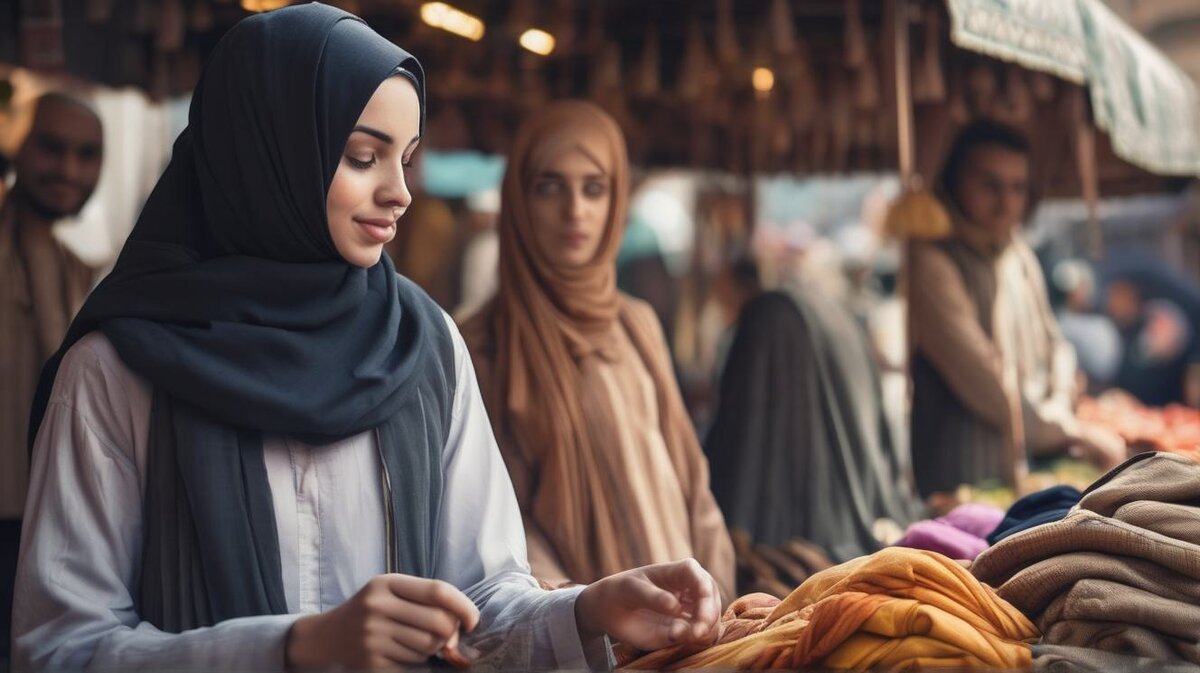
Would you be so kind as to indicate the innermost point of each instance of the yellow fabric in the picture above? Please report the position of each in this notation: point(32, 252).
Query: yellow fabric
point(906, 634)
point(899, 608)
point(921, 575)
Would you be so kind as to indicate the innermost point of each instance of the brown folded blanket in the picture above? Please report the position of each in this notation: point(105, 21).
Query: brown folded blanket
point(1084, 530)
point(1032, 589)
point(1158, 477)
point(1070, 659)
point(1101, 600)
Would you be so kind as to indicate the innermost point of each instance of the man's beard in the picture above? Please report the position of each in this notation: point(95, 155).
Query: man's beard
point(44, 210)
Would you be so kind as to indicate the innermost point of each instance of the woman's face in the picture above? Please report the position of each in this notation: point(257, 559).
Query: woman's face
point(994, 189)
point(569, 201)
point(369, 193)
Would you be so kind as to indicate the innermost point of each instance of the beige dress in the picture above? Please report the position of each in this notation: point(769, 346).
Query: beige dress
point(656, 522)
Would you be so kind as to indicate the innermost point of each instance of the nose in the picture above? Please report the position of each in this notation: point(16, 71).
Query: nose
point(71, 167)
point(1014, 202)
point(574, 205)
point(394, 192)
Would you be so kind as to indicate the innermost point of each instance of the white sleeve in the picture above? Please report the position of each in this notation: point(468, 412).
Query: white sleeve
point(81, 546)
point(482, 549)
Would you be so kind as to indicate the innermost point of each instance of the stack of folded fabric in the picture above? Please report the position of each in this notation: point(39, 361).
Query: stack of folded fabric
point(899, 608)
point(1121, 573)
point(961, 534)
point(1067, 659)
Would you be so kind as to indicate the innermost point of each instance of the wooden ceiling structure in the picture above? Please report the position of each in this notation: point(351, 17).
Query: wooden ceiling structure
point(679, 75)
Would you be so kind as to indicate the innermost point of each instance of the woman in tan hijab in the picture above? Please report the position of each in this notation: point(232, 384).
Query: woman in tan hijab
point(576, 376)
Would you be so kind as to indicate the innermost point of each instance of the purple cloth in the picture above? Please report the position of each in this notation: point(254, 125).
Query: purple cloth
point(974, 518)
point(958, 535)
point(934, 535)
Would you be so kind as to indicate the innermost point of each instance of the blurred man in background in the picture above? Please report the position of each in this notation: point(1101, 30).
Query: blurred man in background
point(42, 285)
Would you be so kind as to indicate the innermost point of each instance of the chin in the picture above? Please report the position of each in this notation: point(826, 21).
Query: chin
point(365, 258)
point(571, 262)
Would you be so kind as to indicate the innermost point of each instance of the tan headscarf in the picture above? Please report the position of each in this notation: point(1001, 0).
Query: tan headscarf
point(543, 320)
point(564, 311)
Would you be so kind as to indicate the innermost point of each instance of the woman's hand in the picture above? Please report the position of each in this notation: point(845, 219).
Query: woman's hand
point(393, 620)
point(652, 607)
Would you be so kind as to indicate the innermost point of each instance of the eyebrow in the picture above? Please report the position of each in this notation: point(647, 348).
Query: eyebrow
point(374, 132)
point(555, 175)
point(385, 137)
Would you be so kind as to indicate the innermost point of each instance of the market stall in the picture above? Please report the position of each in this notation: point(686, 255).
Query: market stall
point(730, 93)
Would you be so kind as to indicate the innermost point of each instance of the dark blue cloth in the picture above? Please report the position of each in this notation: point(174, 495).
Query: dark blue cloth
point(1035, 509)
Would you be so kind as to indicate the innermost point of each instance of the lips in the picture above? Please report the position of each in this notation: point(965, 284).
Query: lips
point(574, 239)
point(64, 191)
point(379, 229)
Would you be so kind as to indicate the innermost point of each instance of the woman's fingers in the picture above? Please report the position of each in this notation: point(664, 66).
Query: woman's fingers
point(438, 594)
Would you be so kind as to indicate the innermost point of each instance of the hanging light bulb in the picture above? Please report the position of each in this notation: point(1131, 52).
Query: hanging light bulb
point(538, 41)
point(452, 20)
point(263, 5)
point(763, 80)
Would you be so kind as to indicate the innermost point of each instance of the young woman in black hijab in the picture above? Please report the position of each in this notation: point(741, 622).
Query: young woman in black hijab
point(258, 446)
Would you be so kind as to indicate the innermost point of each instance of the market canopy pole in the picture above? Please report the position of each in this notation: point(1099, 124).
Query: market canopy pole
point(904, 98)
point(1089, 178)
point(905, 141)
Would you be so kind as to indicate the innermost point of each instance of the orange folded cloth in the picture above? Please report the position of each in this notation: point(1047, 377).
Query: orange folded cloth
point(901, 608)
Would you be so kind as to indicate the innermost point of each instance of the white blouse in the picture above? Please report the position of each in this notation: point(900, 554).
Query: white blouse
point(81, 545)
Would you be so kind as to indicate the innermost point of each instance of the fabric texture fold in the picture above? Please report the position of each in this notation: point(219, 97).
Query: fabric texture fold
point(899, 608)
point(960, 534)
point(1121, 572)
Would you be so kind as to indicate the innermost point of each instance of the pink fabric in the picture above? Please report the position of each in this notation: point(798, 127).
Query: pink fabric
point(941, 537)
point(974, 518)
point(959, 535)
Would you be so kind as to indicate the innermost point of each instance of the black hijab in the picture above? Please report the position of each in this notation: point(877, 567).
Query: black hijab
point(230, 298)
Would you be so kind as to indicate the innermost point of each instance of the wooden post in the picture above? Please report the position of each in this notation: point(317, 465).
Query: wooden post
point(906, 151)
point(1085, 164)
point(904, 99)
point(1085, 157)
